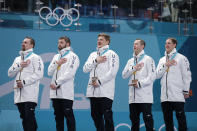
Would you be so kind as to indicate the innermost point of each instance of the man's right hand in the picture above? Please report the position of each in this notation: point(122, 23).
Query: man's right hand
point(25, 63)
point(19, 84)
point(139, 66)
point(170, 63)
point(101, 59)
point(61, 61)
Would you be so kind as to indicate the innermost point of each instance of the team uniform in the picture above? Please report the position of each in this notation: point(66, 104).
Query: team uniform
point(175, 81)
point(26, 98)
point(63, 97)
point(101, 98)
point(141, 98)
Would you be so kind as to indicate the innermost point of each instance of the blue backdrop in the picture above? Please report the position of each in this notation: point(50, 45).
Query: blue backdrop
point(83, 44)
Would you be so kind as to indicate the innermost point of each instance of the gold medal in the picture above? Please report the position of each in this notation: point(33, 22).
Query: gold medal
point(59, 67)
point(134, 73)
point(168, 69)
point(21, 69)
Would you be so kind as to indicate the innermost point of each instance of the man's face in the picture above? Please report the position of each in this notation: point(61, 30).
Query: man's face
point(169, 45)
point(26, 44)
point(61, 44)
point(101, 41)
point(137, 47)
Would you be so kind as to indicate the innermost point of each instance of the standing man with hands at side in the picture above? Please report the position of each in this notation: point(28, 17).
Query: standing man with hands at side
point(175, 74)
point(63, 68)
point(103, 65)
point(28, 69)
point(141, 71)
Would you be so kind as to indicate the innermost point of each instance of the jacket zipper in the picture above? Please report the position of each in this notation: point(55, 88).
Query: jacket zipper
point(56, 76)
point(167, 85)
point(94, 76)
point(167, 58)
point(134, 89)
point(20, 88)
point(55, 80)
point(20, 79)
point(22, 58)
point(98, 54)
point(134, 79)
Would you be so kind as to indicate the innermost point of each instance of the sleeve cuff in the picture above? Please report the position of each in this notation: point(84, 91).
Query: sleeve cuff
point(55, 63)
point(23, 82)
point(165, 67)
point(99, 81)
point(94, 62)
point(132, 69)
point(57, 86)
point(186, 92)
point(18, 67)
point(139, 84)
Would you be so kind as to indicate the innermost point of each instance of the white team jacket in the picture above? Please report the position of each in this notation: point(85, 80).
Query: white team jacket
point(106, 73)
point(65, 76)
point(30, 77)
point(145, 77)
point(176, 80)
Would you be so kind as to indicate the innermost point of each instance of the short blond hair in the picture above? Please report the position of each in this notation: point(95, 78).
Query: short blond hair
point(106, 36)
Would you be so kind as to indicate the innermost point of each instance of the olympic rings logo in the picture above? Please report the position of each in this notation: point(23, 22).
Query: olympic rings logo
point(66, 14)
point(142, 125)
point(164, 126)
point(122, 124)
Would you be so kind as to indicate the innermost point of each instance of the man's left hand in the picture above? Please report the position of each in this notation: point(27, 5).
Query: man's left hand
point(95, 84)
point(135, 85)
point(19, 84)
point(186, 96)
point(53, 87)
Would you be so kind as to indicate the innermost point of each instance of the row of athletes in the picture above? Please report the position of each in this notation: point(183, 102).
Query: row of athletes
point(102, 66)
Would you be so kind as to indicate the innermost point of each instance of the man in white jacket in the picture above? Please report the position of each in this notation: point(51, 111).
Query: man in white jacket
point(175, 74)
point(141, 71)
point(62, 69)
point(28, 69)
point(103, 65)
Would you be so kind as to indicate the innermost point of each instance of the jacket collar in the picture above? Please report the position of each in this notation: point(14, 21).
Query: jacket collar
point(171, 53)
point(102, 49)
point(25, 53)
point(139, 55)
point(62, 51)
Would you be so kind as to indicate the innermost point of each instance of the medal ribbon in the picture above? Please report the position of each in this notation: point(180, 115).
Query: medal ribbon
point(141, 57)
point(66, 53)
point(171, 59)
